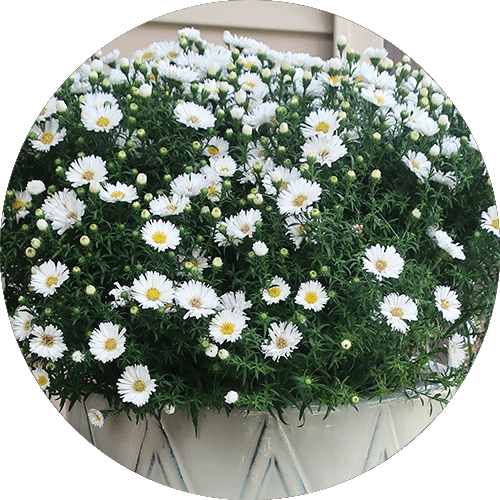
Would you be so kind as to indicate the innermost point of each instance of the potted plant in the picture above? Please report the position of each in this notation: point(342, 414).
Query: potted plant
point(210, 230)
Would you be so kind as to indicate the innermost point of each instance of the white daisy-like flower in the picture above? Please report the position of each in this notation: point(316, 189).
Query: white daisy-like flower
point(48, 110)
point(383, 98)
point(445, 242)
point(227, 326)
point(193, 115)
point(189, 184)
point(111, 193)
point(96, 417)
point(375, 53)
point(21, 323)
point(418, 164)
point(49, 277)
point(86, 170)
point(383, 262)
point(107, 342)
point(398, 308)
point(48, 136)
point(216, 146)
point(312, 295)
point(101, 118)
point(279, 178)
point(295, 229)
point(197, 298)
point(35, 187)
point(135, 385)
point(196, 260)
point(320, 122)
point(326, 149)
point(447, 303)
point(212, 350)
point(175, 72)
point(242, 225)
point(448, 179)
point(234, 301)
point(168, 205)
point(263, 113)
point(47, 342)
point(161, 235)
point(77, 356)
point(42, 377)
point(98, 99)
point(489, 221)
point(153, 290)
point(456, 351)
point(119, 292)
point(231, 397)
point(277, 291)
point(21, 198)
point(223, 165)
point(63, 208)
point(299, 195)
point(284, 338)
point(260, 248)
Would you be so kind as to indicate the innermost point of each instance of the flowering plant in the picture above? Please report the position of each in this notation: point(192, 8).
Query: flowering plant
point(235, 226)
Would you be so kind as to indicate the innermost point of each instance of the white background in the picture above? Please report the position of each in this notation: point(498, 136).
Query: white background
point(43, 42)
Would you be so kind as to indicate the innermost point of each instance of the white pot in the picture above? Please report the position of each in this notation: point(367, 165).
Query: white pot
point(254, 455)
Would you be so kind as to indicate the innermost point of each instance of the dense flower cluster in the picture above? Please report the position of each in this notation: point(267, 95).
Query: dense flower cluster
point(232, 225)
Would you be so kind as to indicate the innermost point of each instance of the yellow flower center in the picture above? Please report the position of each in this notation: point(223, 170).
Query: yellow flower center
point(44, 110)
point(322, 127)
point(380, 99)
point(159, 237)
point(27, 325)
point(212, 191)
point(139, 386)
point(102, 121)
point(18, 205)
point(380, 265)
point(227, 328)
point(51, 281)
point(193, 119)
point(47, 138)
point(495, 223)
point(281, 343)
point(147, 55)
point(195, 302)
point(110, 344)
point(118, 195)
point(213, 150)
point(445, 304)
point(72, 215)
point(299, 200)
point(311, 297)
point(415, 165)
point(47, 340)
point(275, 291)
point(323, 154)
point(41, 381)
point(153, 294)
point(397, 311)
point(88, 175)
point(171, 207)
point(245, 228)
point(250, 84)
point(334, 79)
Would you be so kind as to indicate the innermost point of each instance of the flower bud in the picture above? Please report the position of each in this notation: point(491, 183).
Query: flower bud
point(346, 344)
point(85, 241)
point(216, 213)
point(30, 252)
point(90, 290)
point(246, 130)
point(217, 263)
point(376, 174)
point(141, 179)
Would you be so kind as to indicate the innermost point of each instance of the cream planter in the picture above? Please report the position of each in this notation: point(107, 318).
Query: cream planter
point(255, 456)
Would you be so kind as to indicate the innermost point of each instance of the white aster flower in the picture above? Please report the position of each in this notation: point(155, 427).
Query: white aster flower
point(101, 118)
point(86, 170)
point(277, 291)
point(153, 290)
point(107, 342)
point(242, 225)
point(63, 209)
point(197, 298)
point(19, 205)
point(47, 137)
point(489, 221)
point(383, 98)
point(112, 193)
point(445, 242)
point(398, 308)
point(279, 178)
point(312, 295)
point(212, 350)
point(231, 397)
point(49, 277)
point(456, 351)
point(448, 179)
point(135, 385)
point(96, 417)
point(77, 356)
point(234, 301)
point(227, 326)
point(326, 149)
point(168, 205)
point(98, 99)
point(260, 248)
point(47, 342)
point(418, 164)
point(193, 115)
point(35, 187)
point(383, 262)
point(447, 303)
point(263, 113)
point(118, 293)
point(320, 122)
point(48, 110)
point(217, 146)
point(161, 235)
point(284, 338)
point(299, 195)
point(42, 377)
point(21, 323)
point(223, 165)
point(295, 229)
point(189, 184)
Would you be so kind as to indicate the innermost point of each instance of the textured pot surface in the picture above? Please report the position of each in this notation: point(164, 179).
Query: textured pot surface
point(253, 455)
